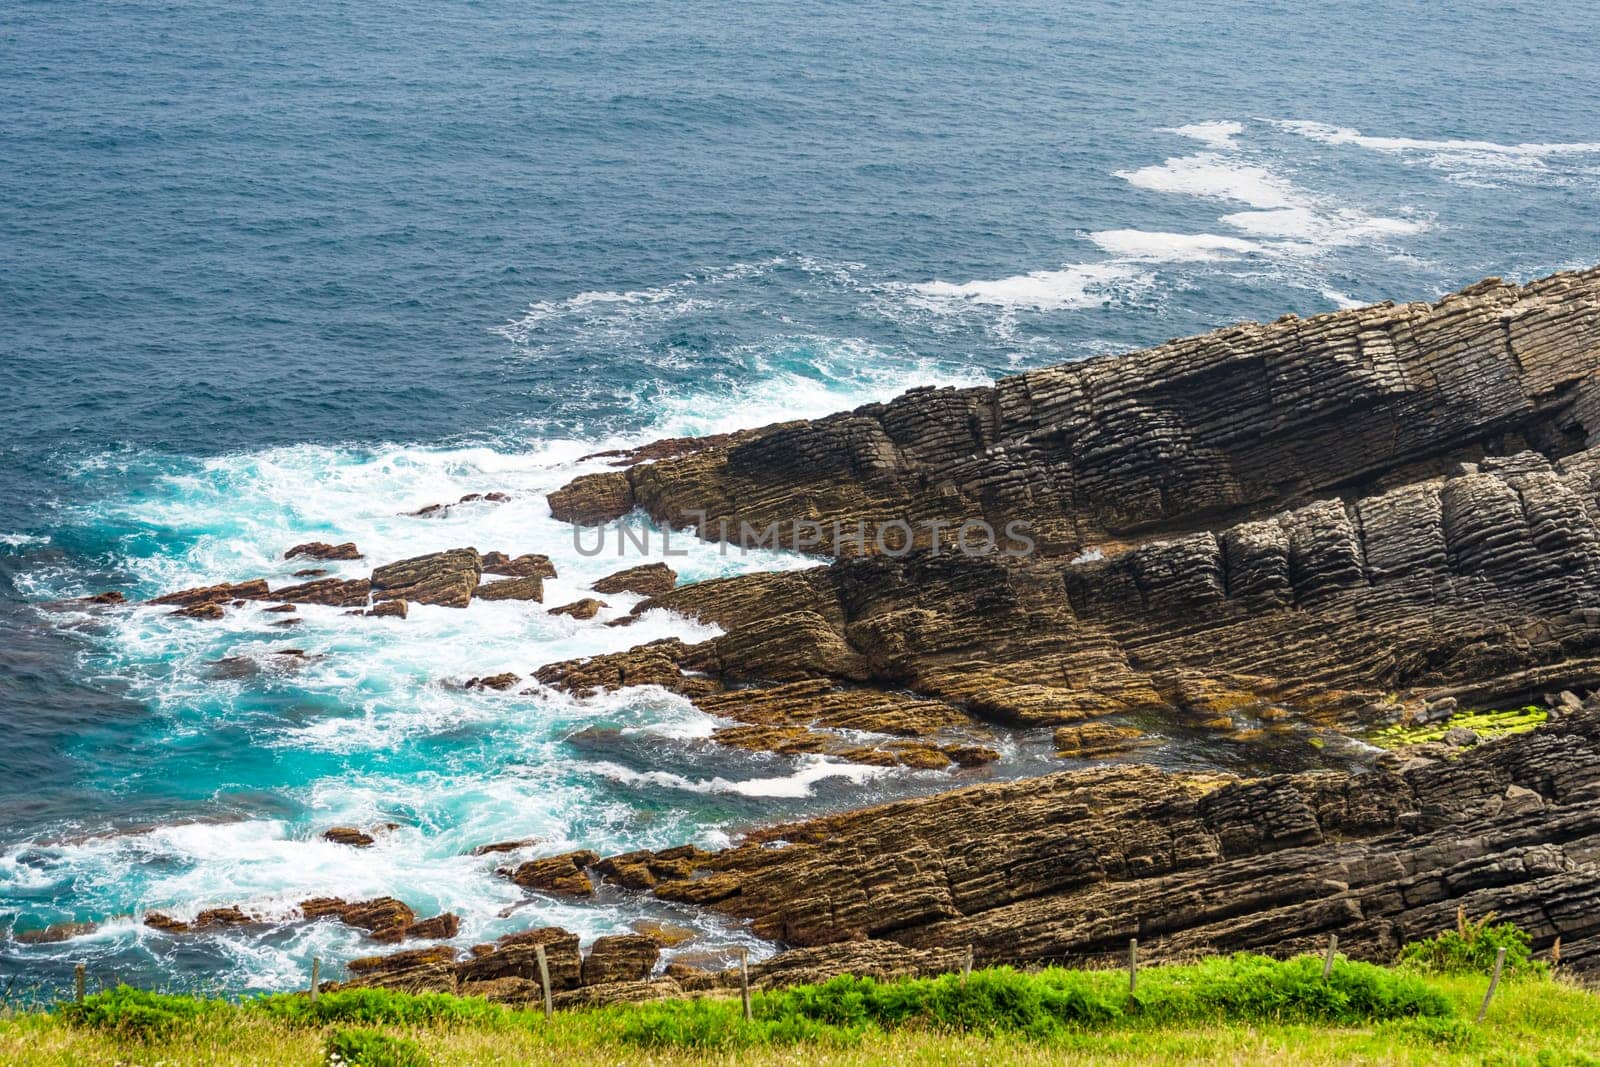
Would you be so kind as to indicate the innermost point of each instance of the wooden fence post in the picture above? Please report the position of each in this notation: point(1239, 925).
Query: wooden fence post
point(316, 976)
point(1133, 965)
point(1494, 980)
point(744, 983)
point(79, 977)
point(544, 979)
point(1327, 964)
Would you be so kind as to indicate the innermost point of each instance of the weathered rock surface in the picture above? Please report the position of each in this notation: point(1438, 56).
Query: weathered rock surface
point(1070, 866)
point(650, 579)
point(527, 565)
point(620, 958)
point(331, 592)
point(389, 609)
point(564, 874)
point(323, 550)
point(1481, 586)
point(215, 594)
point(1170, 439)
point(587, 608)
point(443, 578)
point(530, 588)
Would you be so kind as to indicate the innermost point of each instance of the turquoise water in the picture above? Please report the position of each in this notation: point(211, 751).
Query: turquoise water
point(288, 272)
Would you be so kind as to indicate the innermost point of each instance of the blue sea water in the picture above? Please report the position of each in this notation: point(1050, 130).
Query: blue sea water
point(288, 270)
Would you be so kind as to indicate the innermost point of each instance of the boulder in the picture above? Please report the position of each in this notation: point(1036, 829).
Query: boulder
point(511, 589)
point(494, 681)
point(564, 874)
point(587, 608)
point(447, 579)
point(527, 565)
point(620, 958)
point(650, 579)
point(324, 551)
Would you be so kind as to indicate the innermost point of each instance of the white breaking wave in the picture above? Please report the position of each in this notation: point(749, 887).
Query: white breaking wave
point(1156, 246)
point(1087, 285)
point(1344, 135)
point(812, 770)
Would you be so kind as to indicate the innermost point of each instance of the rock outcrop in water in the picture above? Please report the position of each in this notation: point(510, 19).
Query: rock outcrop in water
point(1365, 516)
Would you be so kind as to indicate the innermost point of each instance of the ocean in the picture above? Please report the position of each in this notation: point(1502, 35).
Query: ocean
point(288, 271)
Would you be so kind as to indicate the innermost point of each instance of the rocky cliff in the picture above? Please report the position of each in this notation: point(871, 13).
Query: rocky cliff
point(1189, 434)
point(1070, 866)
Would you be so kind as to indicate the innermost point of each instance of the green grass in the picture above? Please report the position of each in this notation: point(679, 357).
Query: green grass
point(1486, 724)
point(1244, 1009)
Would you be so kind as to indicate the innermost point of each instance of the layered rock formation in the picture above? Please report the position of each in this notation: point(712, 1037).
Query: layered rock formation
point(1188, 434)
point(1069, 867)
point(1481, 586)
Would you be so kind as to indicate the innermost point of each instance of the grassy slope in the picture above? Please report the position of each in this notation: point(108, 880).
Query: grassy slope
point(1533, 1020)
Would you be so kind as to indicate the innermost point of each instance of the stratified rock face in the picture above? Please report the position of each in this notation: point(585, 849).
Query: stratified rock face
point(620, 958)
point(444, 578)
point(650, 579)
point(333, 592)
point(564, 874)
point(1484, 585)
point(527, 565)
point(323, 550)
point(1172, 438)
point(587, 608)
point(530, 588)
point(215, 594)
point(1070, 866)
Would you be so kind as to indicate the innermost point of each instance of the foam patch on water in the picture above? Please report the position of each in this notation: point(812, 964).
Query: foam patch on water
point(1216, 176)
point(1159, 247)
point(1469, 161)
point(1220, 133)
point(371, 724)
point(1041, 290)
point(1286, 227)
point(1286, 223)
point(812, 770)
point(1344, 135)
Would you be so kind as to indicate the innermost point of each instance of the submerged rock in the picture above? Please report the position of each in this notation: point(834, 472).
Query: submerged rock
point(54, 933)
point(494, 681)
point(505, 846)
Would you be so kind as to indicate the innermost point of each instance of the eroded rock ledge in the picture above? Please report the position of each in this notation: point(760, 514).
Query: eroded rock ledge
point(1070, 866)
point(1191, 433)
